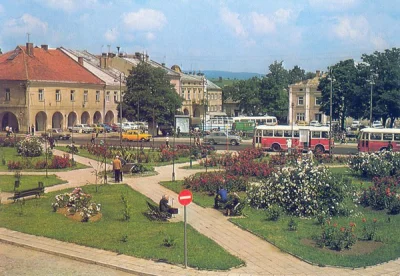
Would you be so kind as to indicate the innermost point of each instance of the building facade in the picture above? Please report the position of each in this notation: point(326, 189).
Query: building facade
point(305, 102)
point(44, 88)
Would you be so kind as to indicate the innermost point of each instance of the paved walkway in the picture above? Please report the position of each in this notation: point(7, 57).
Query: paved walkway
point(261, 257)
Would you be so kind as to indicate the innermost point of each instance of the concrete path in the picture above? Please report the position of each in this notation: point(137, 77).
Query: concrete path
point(261, 257)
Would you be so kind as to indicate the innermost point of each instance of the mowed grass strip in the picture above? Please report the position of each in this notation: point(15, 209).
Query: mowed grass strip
point(137, 237)
point(28, 182)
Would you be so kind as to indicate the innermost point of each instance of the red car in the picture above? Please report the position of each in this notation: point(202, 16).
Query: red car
point(113, 126)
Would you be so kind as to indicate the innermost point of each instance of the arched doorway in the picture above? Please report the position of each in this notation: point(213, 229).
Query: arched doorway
point(97, 117)
point(109, 118)
point(185, 111)
point(57, 121)
point(72, 119)
point(196, 112)
point(40, 121)
point(85, 118)
point(9, 119)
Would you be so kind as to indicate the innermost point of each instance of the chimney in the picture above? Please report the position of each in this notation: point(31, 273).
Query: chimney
point(80, 60)
point(45, 47)
point(103, 61)
point(317, 73)
point(163, 64)
point(29, 48)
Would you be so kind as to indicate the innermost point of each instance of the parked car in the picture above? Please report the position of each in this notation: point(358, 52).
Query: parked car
point(220, 137)
point(355, 124)
point(58, 134)
point(134, 135)
point(115, 127)
point(81, 128)
point(377, 124)
point(97, 128)
point(106, 128)
point(315, 123)
point(126, 126)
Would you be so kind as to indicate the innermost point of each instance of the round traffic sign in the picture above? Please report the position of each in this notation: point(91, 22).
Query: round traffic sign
point(185, 197)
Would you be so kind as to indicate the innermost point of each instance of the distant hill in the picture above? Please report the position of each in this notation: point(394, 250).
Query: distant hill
point(212, 74)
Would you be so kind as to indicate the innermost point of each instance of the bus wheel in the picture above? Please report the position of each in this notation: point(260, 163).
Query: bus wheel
point(234, 143)
point(211, 142)
point(319, 149)
point(276, 147)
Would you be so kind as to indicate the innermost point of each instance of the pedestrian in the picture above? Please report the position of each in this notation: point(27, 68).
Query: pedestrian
point(7, 131)
point(179, 131)
point(33, 130)
point(167, 141)
point(117, 168)
point(93, 138)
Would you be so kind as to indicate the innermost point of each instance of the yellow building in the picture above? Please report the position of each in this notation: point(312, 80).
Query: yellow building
point(305, 101)
point(45, 88)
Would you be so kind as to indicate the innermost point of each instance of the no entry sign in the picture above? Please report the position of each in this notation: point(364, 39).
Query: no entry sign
point(185, 197)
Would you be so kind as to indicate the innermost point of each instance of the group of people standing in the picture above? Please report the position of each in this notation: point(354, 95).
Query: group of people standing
point(9, 131)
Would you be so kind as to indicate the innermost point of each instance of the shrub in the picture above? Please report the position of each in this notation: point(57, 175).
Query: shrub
point(382, 163)
point(302, 190)
point(210, 181)
point(40, 164)
point(337, 238)
point(274, 212)
point(30, 147)
point(292, 225)
point(369, 229)
point(59, 162)
point(14, 165)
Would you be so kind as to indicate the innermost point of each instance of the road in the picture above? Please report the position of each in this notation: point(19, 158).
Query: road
point(18, 261)
point(113, 139)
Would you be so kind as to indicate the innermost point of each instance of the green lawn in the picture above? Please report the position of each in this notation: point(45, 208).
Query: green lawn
point(28, 181)
point(138, 237)
point(10, 154)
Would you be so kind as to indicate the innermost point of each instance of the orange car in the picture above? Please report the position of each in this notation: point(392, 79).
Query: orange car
point(134, 135)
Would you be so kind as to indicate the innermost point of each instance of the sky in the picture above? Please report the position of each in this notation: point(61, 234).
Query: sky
point(228, 35)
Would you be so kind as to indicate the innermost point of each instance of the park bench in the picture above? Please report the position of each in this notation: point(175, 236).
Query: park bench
point(34, 191)
point(236, 210)
point(154, 213)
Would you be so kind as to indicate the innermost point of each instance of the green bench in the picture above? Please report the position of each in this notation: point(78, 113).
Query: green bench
point(30, 192)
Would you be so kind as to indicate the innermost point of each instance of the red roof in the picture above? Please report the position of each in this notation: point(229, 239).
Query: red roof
point(43, 65)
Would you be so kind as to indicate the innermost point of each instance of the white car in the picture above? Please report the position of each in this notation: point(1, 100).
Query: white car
point(81, 128)
point(355, 124)
point(377, 124)
point(315, 123)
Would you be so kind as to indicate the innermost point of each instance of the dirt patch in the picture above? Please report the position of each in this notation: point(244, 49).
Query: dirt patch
point(77, 216)
point(359, 248)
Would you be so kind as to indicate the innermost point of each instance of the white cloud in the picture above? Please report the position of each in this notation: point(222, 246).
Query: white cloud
point(379, 43)
point(333, 5)
point(25, 24)
point(262, 23)
point(353, 28)
point(283, 16)
point(68, 5)
point(144, 20)
point(232, 20)
point(111, 35)
point(150, 36)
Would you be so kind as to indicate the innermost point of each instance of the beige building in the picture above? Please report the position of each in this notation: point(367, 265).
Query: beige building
point(305, 100)
point(45, 88)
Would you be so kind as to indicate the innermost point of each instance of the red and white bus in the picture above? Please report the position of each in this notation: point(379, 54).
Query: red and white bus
point(280, 137)
point(377, 139)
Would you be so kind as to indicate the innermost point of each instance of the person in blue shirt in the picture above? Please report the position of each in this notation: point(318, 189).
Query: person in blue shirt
point(221, 196)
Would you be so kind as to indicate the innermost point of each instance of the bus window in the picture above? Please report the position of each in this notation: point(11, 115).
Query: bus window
point(397, 137)
point(388, 136)
point(316, 134)
point(278, 133)
point(296, 133)
point(376, 136)
point(268, 133)
point(325, 134)
point(287, 133)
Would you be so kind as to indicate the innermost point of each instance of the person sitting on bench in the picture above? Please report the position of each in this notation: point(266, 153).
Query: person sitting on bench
point(165, 208)
point(222, 196)
point(234, 201)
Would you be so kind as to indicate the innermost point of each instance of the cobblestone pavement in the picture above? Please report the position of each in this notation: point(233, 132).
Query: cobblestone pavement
point(261, 257)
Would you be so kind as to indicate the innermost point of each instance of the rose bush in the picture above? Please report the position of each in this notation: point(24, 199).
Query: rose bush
point(302, 190)
point(382, 163)
point(31, 146)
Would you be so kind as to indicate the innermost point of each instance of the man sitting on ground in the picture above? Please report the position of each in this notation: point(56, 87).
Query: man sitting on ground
point(222, 196)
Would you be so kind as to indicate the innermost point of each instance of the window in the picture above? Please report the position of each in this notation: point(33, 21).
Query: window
point(183, 93)
point(316, 134)
point(97, 96)
point(268, 133)
point(301, 89)
point(300, 100)
point(397, 137)
point(278, 133)
point(376, 136)
point(296, 133)
point(41, 95)
point(287, 133)
point(85, 96)
point(108, 96)
point(7, 94)
point(72, 95)
point(317, 100)
point(300, 117)
point(388, 136)
point(115, 96)
point(325, 134)
point(188, 94)
point(58, 95)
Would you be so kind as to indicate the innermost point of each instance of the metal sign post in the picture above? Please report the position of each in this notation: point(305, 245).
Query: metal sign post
point(185, 198)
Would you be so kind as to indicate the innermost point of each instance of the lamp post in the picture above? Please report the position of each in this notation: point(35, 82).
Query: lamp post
point(371, 82)
point(45, 133)
point(138, 119)
point(105, 137)
point(173, 150)
point(72, 132)
point(330, 115)
point(291, 143)
point(120, 108)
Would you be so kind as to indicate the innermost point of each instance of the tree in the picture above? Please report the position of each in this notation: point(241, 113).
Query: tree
point(344, 87)
point(296, 75)
point(149, 91)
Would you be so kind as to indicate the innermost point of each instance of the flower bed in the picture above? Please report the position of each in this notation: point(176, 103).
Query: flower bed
point(382, 163)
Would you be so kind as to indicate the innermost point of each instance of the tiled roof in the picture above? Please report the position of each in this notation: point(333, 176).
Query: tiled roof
point(43, 65)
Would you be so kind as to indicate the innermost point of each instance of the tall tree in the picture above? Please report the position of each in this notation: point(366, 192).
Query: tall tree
point(150, 93)
point(296, 75)
point(344, 75)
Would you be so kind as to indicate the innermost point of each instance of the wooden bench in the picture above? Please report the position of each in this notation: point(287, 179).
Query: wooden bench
point(35, 191)
point(154, 213)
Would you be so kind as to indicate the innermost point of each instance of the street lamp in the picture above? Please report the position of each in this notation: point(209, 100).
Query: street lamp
point(173, 150)
point(45, 133)
point(331, 79)
point(120, 106)
point(372, 82)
